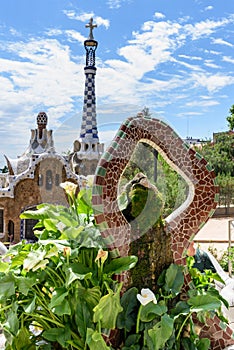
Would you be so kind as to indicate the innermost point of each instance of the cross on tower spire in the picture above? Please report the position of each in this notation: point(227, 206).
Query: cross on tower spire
point(90, 25)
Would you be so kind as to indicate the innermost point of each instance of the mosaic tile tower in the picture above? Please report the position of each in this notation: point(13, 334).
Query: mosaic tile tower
point(87, 150)
point(183, 223)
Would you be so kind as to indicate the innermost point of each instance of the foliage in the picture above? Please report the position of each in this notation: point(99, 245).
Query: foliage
point(230, 118)
point(166, 320)
point(228, 254)
point(226, 189)
point(220, 154)
point(172, 186)
point(169, 183)
point(141, 203)
point(60, 292)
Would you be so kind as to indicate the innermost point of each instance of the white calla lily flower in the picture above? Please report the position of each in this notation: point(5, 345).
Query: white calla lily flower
point(146, 297)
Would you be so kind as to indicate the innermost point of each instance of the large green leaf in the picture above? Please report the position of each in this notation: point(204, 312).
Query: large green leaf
point(61, 335)
point(127, 318)
point(72, 276)
point(58, 296)
point(95, 340)
point(12, 322)
point(188, 344)
point(62, 309)
point(39, 214)
point(151, 310)
point(204, 302)
point(161, 332)
point(23, 341)
point(18, 259)
point(50, 224)
point(107, 310)
point(72, 232)
point(7, 286)
point(83, 318)
point(4, 266)
point(203, 344)
point(89, 295)
point(119, 265)
point(181, 308)
point(30, 306)
point(85, 201)
point(174, 279)
point(33, 258)
point(25, 284)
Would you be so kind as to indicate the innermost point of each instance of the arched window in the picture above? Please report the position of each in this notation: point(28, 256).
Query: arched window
point(28, 230)
point(11, 230)
point(49, 180)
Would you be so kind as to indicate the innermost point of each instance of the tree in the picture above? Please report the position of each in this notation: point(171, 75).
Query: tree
point(220, 154)
point(230, 118)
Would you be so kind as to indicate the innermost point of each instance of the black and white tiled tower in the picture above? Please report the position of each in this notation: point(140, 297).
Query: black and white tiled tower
point(88, 150)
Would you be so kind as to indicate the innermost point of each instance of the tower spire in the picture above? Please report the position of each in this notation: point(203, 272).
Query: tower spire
point(88, 150)
point(89, 123)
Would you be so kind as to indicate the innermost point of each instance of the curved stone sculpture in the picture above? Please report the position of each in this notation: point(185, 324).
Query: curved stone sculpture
point(184, 223)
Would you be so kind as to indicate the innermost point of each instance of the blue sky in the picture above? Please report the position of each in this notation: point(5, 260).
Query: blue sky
point(173, 56)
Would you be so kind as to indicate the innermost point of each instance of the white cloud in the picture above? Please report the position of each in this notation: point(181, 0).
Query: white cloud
point(115, 4)
point(193, 58)
point(228, 59)
point(187, 65)
point(36, 81)
point(220, 41)
point(211, 64)
point(159, 15)
point(202, 103)
point(73, 35)
point(85, 17)
point(208, 8)
point(212, 82)
point(205, 28)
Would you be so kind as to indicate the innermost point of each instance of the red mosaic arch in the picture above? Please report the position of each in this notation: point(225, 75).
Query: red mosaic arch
point(184, 223)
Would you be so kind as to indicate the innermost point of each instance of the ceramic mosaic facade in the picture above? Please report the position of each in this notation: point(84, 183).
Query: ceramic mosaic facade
point(184, 222)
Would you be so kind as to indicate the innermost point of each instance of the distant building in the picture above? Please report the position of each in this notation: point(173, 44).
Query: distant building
point(35, 176)
point(193, 142)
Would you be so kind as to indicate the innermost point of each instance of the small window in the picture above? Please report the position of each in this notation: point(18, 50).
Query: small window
point(49, 182)
point(1, 220)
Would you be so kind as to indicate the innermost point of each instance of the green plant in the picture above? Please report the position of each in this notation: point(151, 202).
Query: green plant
point(165, 320)
point(228, 254)
point(60, 293)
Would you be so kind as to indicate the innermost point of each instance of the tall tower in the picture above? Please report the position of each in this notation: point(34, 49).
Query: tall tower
point(87, 151)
